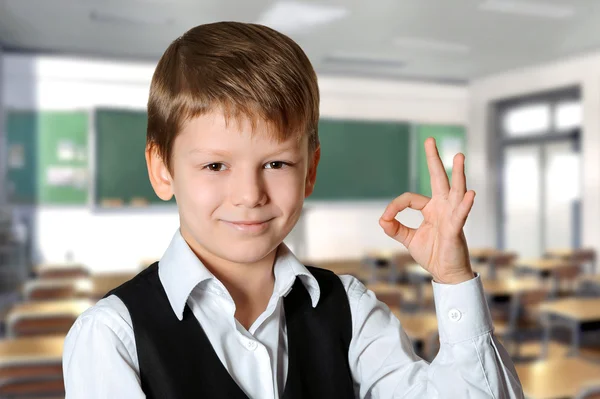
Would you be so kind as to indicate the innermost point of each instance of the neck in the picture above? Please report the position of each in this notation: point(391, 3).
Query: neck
point(249, 284)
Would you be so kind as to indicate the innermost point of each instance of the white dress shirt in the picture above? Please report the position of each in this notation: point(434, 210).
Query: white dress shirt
point(100, 359)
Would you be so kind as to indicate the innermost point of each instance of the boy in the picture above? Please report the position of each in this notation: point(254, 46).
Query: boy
point(229, 312)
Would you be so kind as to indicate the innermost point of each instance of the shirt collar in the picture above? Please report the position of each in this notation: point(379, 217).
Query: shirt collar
point(180, 271)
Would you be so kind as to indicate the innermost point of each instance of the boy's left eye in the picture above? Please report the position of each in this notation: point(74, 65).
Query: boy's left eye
point(275, 165)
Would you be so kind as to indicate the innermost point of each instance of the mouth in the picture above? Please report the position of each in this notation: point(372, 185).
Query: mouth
point(249, 226)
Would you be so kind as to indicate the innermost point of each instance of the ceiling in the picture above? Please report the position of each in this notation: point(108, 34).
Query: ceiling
point(435, 40)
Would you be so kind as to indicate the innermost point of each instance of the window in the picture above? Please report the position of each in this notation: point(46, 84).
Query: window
point(567, 115)
point(528, 119)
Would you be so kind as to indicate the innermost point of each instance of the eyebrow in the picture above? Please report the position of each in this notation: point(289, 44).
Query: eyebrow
point(206, 151)
point(223, 153)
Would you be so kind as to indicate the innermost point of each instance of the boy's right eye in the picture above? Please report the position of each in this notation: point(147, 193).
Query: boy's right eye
point(215, 167)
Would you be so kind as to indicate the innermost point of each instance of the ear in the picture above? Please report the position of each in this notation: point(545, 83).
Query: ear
point(159, 174)
point(311, 176)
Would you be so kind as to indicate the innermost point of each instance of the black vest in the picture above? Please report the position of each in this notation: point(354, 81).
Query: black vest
point(177, 360)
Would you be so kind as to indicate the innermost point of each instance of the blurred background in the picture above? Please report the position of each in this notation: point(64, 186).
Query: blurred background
point(514, 84)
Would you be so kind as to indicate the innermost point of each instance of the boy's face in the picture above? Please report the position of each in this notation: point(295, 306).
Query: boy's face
point(239, 193)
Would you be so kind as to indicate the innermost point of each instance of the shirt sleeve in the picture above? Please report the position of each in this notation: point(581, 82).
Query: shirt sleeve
point(99, 356)
point(471, 363)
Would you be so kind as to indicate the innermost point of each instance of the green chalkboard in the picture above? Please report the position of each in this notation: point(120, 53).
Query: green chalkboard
point(47, 157)
point(450, 140)
point(22, 158)
point(121, 172)
point(362, 160)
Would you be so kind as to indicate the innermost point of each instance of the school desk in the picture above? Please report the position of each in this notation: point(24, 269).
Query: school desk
point(581, 255)
point(57, 288)
point(492, 258)
point(510, 286)
point(93, 287)
point(353, 267)
point(421, 328)
point(378, 260)
point(574, 313)
point(390, 294)
point(556, 378)
point(37, 317)
point(61, 270)
point(418, 276)
point(31, 355)
point(548, 267)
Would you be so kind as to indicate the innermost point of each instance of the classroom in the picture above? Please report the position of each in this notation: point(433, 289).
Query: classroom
point(513, 85)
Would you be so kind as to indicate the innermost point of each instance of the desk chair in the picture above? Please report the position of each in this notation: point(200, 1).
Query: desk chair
point(59, 288)
point(568, 278)
point(44, 317)
point(62, 270)
point(520, 308)
point(499, 261)
point(31, 387)
point(583, 256)
point(422, 329)
point(31, 367)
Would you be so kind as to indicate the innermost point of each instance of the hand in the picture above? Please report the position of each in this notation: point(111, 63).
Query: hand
point(439, 243)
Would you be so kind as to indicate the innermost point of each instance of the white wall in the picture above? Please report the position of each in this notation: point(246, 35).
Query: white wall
point(583, 71)
point(116, 240)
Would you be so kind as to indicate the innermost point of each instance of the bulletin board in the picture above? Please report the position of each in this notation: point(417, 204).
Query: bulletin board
point(47, 157)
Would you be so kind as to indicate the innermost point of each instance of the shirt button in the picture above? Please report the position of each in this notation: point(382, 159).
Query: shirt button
point(251, 345)
point(454, 314)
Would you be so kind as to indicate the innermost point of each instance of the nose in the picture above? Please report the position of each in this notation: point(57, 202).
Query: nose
point(248, 188)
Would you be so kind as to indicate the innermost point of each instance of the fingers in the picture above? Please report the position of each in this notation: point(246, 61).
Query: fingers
point(397, 231)
point(406, 200)
point(437, 173)
point(394, 228)
point(462, 211)
point(459, 181)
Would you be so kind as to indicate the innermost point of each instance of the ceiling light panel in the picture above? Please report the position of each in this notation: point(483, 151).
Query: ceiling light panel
point(295, 17)
point(528, 8)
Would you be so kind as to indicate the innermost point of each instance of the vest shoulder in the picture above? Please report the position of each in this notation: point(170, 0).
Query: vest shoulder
point(141, 278)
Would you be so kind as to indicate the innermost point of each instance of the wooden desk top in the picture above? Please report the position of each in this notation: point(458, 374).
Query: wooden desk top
point(96, 286)
point(68, 307)
point(385, 288)
point(542, 264)
point(511, 285)
point(79, 285)
point(486, 254)
point(587, 253)
point(59, 266)
point(418, 326)
point(556, 378)
point(561, 252)
point(21, 351)
point(580, 309)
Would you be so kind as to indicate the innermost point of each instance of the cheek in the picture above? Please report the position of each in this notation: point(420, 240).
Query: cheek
point(288, 192)
point(198, 193)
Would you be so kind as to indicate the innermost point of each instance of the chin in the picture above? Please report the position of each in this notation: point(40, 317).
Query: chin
point(249, 252)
